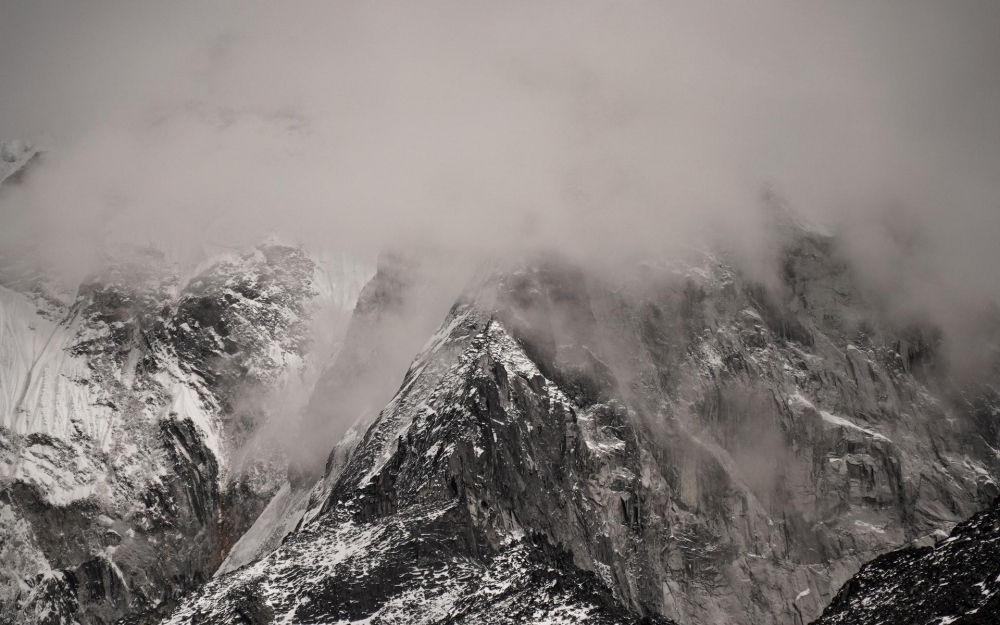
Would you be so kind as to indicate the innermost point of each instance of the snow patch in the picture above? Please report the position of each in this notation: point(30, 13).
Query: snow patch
point(842, 422)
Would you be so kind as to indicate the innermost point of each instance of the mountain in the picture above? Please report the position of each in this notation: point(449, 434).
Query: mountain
point(956, 582)
point(14, 157)
point(127, 409)
point(682, 442)
point(370, 546)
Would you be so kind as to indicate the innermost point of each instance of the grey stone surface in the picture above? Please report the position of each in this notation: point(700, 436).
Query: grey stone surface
point(703, 447)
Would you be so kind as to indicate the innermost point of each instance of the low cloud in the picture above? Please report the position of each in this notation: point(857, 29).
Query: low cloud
point(603, 130)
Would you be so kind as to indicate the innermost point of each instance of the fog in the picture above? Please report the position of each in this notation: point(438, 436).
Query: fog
point(590, 126)
point(602, 130)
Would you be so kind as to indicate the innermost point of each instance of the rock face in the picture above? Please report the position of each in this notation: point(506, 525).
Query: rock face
point(684, 444)
point(121, 408)
point(956, 582)
point(395, 312)
point(407, 532)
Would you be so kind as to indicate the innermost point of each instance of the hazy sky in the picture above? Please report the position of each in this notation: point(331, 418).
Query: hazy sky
point(589, 126)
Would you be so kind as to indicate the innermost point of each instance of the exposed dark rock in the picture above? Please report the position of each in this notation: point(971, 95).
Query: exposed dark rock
point(955, 582)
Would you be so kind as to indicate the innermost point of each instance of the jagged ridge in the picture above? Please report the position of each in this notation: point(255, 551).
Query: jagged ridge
point(710, 450)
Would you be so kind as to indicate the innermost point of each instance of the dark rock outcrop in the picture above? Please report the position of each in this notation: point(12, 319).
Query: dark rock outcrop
point(955, 582)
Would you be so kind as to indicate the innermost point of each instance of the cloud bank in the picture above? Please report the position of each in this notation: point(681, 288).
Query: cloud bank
point(599, 129)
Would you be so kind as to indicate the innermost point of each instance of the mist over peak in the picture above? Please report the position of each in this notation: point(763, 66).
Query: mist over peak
point(520, 312)
point(597, 130)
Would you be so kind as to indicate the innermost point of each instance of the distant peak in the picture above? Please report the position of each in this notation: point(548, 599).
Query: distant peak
point(14, 155)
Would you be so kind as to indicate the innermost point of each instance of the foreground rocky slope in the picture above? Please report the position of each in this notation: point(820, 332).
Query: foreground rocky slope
point(684, 444)
point(956, 582)
point(122, 405)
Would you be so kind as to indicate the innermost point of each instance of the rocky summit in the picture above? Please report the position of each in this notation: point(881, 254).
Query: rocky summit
point(685, 445)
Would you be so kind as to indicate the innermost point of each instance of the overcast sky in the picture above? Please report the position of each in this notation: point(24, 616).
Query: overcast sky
point(588, 126)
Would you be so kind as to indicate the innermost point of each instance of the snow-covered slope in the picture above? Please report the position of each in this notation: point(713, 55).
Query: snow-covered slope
point(124, 409)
